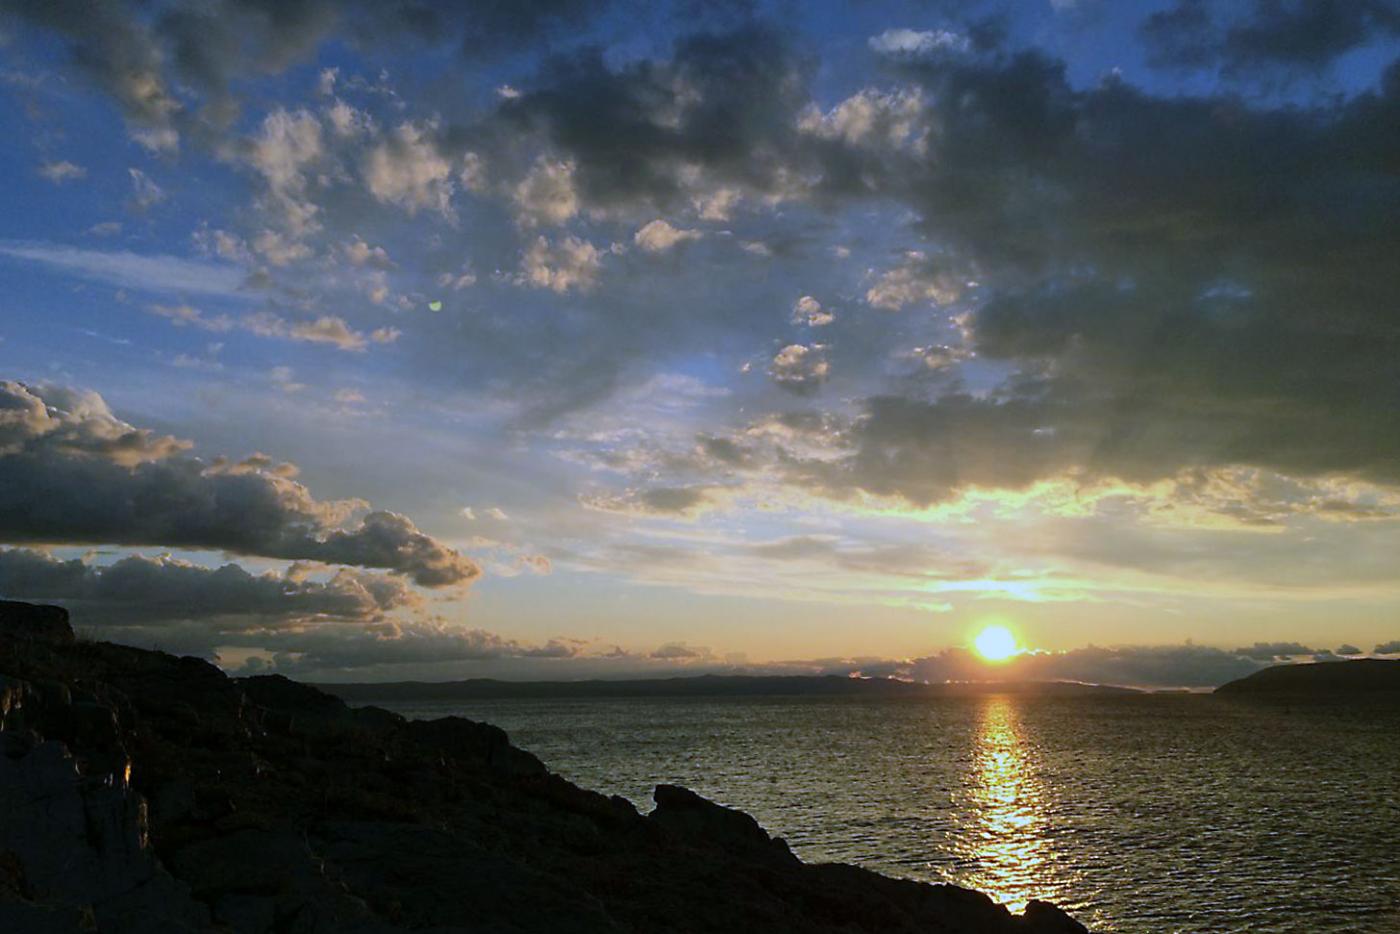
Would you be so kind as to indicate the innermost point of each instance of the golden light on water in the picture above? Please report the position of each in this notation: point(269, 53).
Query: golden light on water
point(1009, 847)
point(996, 644)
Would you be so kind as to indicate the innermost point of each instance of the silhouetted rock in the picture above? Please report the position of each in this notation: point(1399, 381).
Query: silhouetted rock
point(699, 820)
point(1320, 679)
point(140, 792)
point(39, 623)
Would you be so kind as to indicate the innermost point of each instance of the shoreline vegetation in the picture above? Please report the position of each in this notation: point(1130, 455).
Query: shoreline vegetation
point(144, 792)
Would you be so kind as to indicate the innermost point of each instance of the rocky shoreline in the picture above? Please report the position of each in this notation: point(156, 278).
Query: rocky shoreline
point(140, 792)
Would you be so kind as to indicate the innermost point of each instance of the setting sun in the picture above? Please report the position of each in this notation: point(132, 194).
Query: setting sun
point(996, 644)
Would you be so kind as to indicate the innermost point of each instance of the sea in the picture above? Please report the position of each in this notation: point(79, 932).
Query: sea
point(1136, 813)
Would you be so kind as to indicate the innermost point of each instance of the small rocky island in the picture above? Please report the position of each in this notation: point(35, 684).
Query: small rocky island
point(140, 792)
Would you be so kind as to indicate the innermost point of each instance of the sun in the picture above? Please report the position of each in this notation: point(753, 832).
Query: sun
point(996, 644)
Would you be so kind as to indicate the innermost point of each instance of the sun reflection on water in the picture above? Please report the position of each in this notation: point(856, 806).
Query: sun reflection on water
point(1010, 850)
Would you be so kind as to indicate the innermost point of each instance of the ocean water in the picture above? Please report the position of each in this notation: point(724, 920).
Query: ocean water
point(1153, 813)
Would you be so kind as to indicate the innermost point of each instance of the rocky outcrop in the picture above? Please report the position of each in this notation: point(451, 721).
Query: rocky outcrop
point(30, 623)
point(143, 792)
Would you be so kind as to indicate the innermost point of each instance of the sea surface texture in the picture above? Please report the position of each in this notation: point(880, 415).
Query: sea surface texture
point(1149, 813)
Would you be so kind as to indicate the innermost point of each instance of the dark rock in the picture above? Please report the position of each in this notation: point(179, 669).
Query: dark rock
point(33, 623)
point(1045, 917)
point(699, 820)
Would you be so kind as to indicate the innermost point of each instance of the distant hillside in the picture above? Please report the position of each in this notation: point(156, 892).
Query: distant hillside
point(1358, 676)
point(701, 686)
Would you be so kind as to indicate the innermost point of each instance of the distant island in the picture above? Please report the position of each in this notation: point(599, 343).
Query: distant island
point(1320, 679)
point(704, 686)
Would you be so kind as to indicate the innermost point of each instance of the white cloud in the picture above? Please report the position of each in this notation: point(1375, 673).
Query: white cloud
point(915, 280)
point(659, 236)
point(807, 310)
point(62, 171)
point(800, 368)
point(346, 121)
point(286, 144)
point(360, 253)
point(187, 315)
point(409, 171)
point(546, 195)
point(327, 329)
point(918, 43)
point(153, 273)
point(145, 193)
point(893, 119)
point(570, 264)
point(279, 249)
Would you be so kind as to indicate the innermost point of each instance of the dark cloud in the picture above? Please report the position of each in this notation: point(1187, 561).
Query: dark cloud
point(1388, 648)
point(140, 54)
point(140, 590)
point(1181, 36)
point(1305, 34)
point(71, 472)
point(658, 501)
point(723, 105)
point(679, 650)
point(1267, 651)
point(1175, 283)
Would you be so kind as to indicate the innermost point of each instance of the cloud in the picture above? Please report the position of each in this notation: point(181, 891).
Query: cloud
point(1299, 34)
point(62, 171)
point(719, 116)
point(807, 310)
point(918, 278)
point(882, 120)
point(571, 264)
point(115, 50)
point(1268, 651)
point(679, 650)
point(285, 145)
point(188, 315)
point(138, 589)
point(679, 502)
point(145, 193)
point(408, 170)
point(546, 195)
point(800, 368)
point(327, 329)
point(918, 43)
point(71, 472)
point(659, 236)
point(1388, 648)
point(140, 57)
point(145, 273)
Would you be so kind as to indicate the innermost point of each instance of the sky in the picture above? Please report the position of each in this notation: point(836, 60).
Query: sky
point(577, 338)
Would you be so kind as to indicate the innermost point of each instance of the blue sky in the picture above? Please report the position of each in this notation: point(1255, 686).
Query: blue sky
point(691, 336)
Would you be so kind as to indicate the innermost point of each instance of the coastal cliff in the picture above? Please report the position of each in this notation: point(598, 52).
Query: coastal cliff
point(143, 792)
